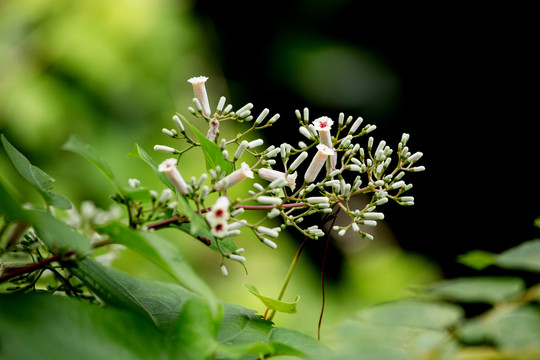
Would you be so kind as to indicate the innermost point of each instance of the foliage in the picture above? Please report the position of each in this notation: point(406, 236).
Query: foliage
point(61, 300)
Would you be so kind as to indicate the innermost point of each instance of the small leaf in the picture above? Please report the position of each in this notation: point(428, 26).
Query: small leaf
point(273, 304)
point(76, 145)
point(212, 152)
point(523, 257)
point(477, 259)
point(479, 289)
point(39, 179)
point(138, 152)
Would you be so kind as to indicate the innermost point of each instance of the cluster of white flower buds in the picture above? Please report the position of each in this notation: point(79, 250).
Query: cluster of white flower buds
point(350, 170)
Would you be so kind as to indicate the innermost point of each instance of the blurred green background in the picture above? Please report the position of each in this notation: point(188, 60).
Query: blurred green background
point(114, 72)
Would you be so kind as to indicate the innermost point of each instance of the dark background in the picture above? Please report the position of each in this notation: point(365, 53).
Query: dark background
point(467, 80)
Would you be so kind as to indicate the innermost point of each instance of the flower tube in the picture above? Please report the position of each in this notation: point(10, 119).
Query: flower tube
point(323, 126)
point(169, 168)
point(317, 162)
point(234, 178)
point(199, 90)
point(271, 175)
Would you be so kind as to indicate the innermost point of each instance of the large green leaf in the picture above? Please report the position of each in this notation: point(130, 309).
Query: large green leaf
point(291, 342)
point(510, 328)
point(57, 235)
point(161, 302)
point(478, 289)
point(212, 152)
point(525, 256)
point(76, 145)
point(162, 253)
point(37, 178)
point(138, 152)
point(414, 313)
point(10, 207)
point(55, 327)
point(196, 331)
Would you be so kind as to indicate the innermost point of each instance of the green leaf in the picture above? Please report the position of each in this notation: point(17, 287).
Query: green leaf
point(291, 342)
point(414, 313)
point(39, 326)
point(37, 178)
point(138, 152)
point(477, 259)
point(523, 257)
point(10, 207)
point(242, 326)
point(57, 235)
point(510, 328)
point(196, 331)
point(137, 194)
point(212, 152)
point(479, 289)
point(159, 301)
point(277, 305)
point(162, 253)
point(76, 145)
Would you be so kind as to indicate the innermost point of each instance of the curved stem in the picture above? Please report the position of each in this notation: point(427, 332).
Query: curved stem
point(269, 315)
point(323, 266)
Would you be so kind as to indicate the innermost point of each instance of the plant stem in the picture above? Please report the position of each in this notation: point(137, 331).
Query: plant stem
point(272, 313)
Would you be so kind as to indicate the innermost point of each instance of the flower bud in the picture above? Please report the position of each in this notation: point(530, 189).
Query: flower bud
point(269, 243)
point(165, 149)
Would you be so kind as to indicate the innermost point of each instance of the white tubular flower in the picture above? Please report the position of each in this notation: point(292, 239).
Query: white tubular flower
point(317, 162)
point(169, 168)
point(199, 90)
point(323, 126)
point(271, 175)
point(234, 178)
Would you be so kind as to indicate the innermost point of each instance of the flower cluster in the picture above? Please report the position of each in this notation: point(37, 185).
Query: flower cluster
point(350, 169)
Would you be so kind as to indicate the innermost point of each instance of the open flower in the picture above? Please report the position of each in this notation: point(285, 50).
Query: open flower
point(169, 168)
point(271, 175)
point(219, 211)
point(234, 178)
point(323, 126)
point(317, 162)
point(218, 216)
point(199, 90)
